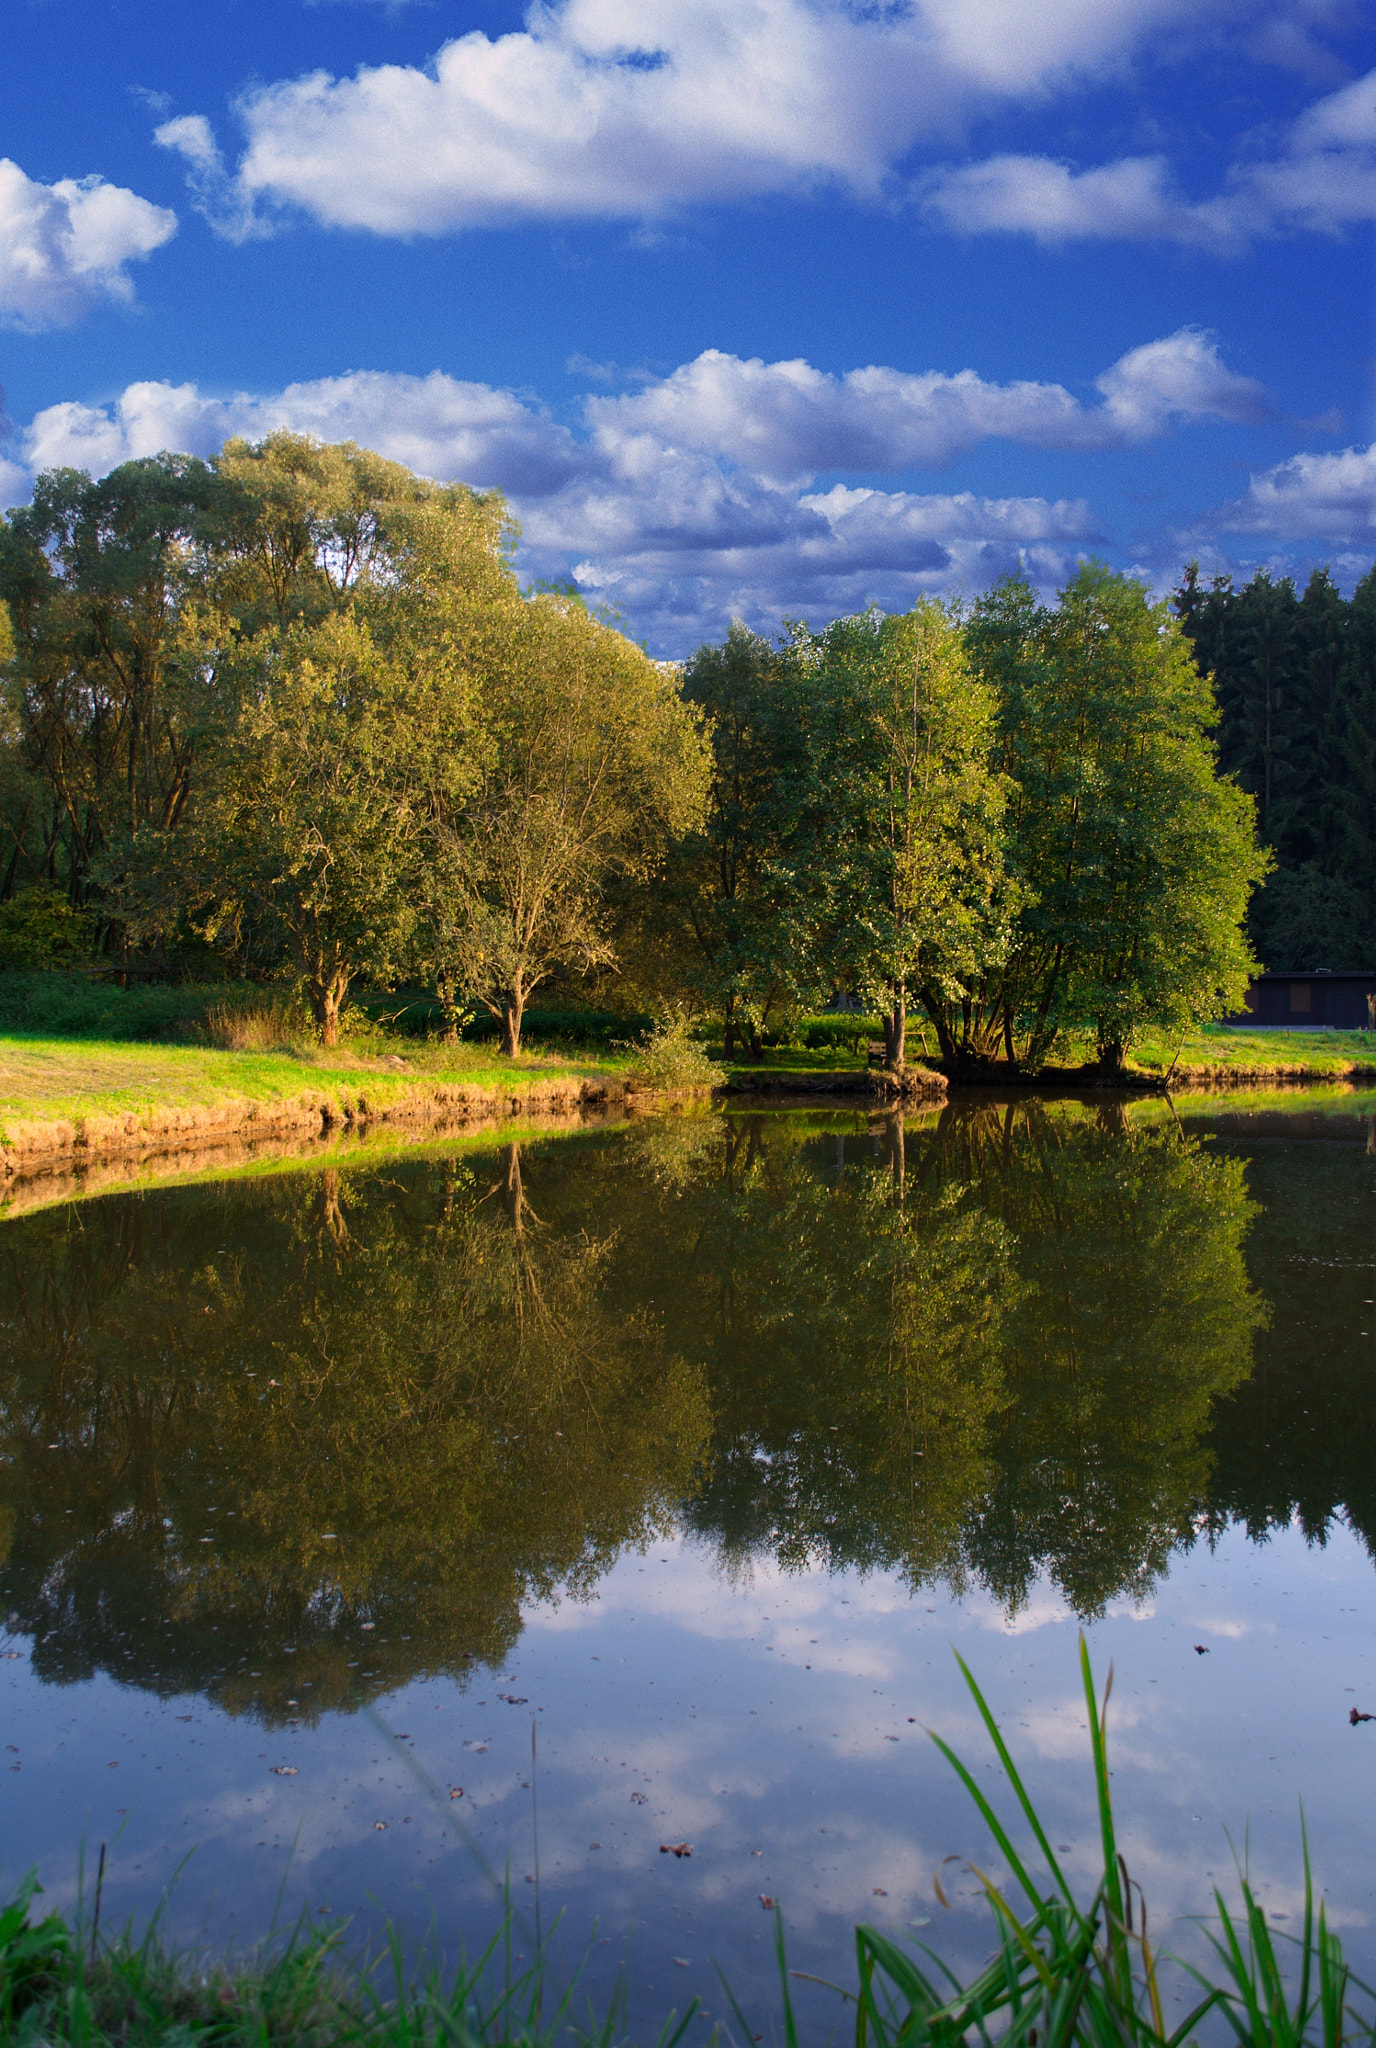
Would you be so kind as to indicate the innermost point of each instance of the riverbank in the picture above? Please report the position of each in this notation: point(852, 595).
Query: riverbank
point(1211, 1056)
point(68, 1102)
point(84, 1107)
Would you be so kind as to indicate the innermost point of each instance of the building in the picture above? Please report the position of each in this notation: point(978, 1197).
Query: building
point(1318, 1000)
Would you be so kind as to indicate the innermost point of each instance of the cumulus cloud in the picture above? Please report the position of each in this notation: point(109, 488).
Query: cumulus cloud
point(1329, 497)
point(604, 109)
point(1323, 180)
point(696, 496)
point(437, 425)
point(64, 247)
point(788, 419)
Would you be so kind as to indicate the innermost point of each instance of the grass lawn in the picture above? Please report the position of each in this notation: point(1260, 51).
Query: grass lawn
point(70, 1080)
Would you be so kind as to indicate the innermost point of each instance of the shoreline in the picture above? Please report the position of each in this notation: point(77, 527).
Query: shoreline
point(188, 1119)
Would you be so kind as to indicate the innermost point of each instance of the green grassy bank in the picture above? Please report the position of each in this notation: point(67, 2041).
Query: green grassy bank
point(1065, 1970)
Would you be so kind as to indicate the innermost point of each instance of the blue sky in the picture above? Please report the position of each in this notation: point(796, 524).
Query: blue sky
point(752, 307)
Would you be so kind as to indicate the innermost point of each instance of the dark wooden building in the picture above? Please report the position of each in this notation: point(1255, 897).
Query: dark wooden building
point(1343, 1002)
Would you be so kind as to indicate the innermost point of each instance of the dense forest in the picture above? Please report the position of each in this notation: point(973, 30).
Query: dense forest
point(289, 715)
point(1295, 678)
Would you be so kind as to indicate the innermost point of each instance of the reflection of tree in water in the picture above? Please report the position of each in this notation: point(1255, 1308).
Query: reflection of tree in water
point(239, 1424)
point(1295, 1442)
point(999, 1363)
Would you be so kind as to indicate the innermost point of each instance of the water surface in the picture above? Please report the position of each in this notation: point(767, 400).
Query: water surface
point(653, 1473)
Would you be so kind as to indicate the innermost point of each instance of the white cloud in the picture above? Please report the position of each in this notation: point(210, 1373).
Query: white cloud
point(604, 109)
point(1331, 497)
point(64, 247)
point(437, 425)
point(788, 419)
point(1322, 181)
point(696, 497)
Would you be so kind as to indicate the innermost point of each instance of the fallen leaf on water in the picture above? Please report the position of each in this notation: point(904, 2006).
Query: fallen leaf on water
point(879, 1892)
point(766, 1902)
point(675, 1848)
point(1354, 1717)
point(890, 1738)
point(514, 1699)
point(283, 1770)
point(183, 1717)
point(639, 1798)
point(456, 1791)
point(682, 1962)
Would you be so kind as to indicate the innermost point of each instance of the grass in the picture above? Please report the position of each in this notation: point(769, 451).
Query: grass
point(1065, 1971)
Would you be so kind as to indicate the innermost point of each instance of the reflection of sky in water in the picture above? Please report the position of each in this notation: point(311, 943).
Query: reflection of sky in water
point(744, 1708)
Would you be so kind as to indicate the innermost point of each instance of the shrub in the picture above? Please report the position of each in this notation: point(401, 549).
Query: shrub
point(40, 929)
point(668, 1056)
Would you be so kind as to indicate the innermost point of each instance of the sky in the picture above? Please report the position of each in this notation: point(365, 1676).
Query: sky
point(752, 308)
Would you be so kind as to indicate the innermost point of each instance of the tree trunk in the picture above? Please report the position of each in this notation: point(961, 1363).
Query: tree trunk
point(326, 997)
point(449, 1011)
point(512, 1013)
point(896, 1032)
point(1113, 1056)
point(936, 1011)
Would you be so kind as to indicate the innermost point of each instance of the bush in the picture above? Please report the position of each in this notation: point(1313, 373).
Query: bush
point(40, 929)
point(668, 1056)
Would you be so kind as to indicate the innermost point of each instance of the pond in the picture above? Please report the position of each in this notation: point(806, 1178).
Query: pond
point(376, 1528)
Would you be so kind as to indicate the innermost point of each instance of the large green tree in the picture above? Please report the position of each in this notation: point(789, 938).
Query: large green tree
point(907, 812)
point(1136, 858)
point(586, 761)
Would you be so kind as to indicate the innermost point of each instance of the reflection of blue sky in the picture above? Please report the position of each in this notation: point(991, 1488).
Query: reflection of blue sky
point(697, 1692)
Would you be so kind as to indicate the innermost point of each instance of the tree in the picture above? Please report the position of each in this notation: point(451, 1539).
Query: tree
point(308, 837)
point(1136, 858)
point(909, 806)
point(718, 928)
point(110, 690)
point(586, 761)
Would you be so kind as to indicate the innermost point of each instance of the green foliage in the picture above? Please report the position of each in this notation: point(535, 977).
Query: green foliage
point(41, 930)
point(587, 762)
point(904, 813)
point(668, 1056)
point(1134, 858)
point(725, 925)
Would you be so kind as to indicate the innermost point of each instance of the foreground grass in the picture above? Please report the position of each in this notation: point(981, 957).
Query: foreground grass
point(1065, 1971)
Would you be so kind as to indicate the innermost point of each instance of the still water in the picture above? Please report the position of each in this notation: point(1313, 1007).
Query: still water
point(374, 1528)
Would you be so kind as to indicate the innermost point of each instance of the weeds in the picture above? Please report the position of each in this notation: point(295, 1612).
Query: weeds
point(1066, 1972)
point(275, 1025)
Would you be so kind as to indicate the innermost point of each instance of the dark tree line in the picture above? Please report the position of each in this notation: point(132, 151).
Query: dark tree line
point(1295, 679)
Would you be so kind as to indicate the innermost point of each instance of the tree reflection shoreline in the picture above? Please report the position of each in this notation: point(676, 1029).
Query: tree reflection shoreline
point(293, 1443)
